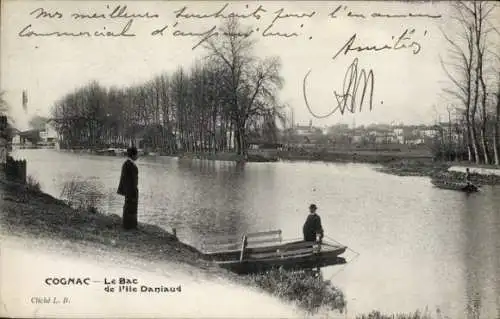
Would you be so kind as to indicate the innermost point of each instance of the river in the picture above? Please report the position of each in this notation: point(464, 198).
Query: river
point(419, 247)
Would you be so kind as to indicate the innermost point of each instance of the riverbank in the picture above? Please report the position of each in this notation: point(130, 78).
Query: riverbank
point(313, 155)
point(29, 213)
point(454, 171)
point(401, 163)
point(370, 156)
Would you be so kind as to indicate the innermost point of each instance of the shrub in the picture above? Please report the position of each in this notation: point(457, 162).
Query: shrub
point(378, 315)
point(32, 184)
point(83, 194)
point(308, 291)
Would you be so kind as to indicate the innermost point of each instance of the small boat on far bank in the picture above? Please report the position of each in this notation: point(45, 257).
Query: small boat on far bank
point(110, 151)
point(458, 186)
point(263, 251)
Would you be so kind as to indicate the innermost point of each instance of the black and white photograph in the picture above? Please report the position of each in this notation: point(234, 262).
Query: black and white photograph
point(250, 159)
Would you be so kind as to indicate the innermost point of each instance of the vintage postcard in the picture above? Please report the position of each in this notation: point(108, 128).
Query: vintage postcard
point(246, 159)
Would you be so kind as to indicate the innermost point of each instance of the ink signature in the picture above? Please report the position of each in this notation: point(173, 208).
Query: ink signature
point(349, 99)
point(402, 42)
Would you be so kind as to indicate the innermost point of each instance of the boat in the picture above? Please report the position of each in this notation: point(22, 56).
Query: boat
point(458, 186)
point(262, 251)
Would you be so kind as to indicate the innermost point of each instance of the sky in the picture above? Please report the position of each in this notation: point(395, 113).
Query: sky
point(407, 84)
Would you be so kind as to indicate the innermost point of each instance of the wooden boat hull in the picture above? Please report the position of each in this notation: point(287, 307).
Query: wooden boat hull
point(304, 262)
point(292, 255)
point(464, 187)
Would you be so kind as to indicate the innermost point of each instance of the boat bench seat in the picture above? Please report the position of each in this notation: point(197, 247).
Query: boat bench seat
point(233, 242)
point(278, 253)
point(261, 238)
point(221, 243)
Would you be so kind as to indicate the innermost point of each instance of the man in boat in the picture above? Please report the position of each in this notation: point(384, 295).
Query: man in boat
point(312, 227)
point(467, 177)
point(128, 188)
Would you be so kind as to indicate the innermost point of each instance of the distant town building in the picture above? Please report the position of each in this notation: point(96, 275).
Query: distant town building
point(49, 134)
point(429, 132)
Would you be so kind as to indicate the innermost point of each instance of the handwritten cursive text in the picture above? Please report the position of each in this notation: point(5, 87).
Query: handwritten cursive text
point(343, 10)
point(204, 35)
point(43, 13)
point(117, 13)
point(221, 13)
point(280, 15)
point(402, 42)
point(28, 32)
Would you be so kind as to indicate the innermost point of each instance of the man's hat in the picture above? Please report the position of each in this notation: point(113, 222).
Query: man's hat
point(313, 207)
point(132, 151)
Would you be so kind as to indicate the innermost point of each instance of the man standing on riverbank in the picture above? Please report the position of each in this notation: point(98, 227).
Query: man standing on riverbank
point(312, 226)
point(128, 187)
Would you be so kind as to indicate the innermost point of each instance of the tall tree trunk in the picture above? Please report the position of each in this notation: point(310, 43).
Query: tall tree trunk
point(470, 138)
point(473, 120)
point(468, 144)
point(484, 144)
point(450, 137)
point(478, 26)
point(238, 142)
point(496, 137)
point(214, 130)
point(475, 147)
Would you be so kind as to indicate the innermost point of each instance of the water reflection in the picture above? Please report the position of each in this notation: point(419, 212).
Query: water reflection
point(198, 198)
point(481, 254)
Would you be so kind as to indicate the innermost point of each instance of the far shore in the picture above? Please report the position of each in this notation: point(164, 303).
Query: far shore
point(371, 155)
point(401, 163)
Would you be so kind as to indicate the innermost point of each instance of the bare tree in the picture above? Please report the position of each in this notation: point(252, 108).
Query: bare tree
point(201, 109)
point(480, 12)
point(4, 112)
point(495, 52)
point(496, 137)
point(466, 70)
point(459, 70)
point(251, 82)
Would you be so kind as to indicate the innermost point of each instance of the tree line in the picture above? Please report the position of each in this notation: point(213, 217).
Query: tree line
point(473, 70)
point(226, 98)
point(6, 128)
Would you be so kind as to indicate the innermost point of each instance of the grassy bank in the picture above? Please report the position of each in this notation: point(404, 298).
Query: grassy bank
point(321, 155)
point(414, 315)
point(432, 169)
point(415, 167)
point(221, 156)
point(228, 156)
point(354, 155)
point(28, 212)
point(342, 156)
